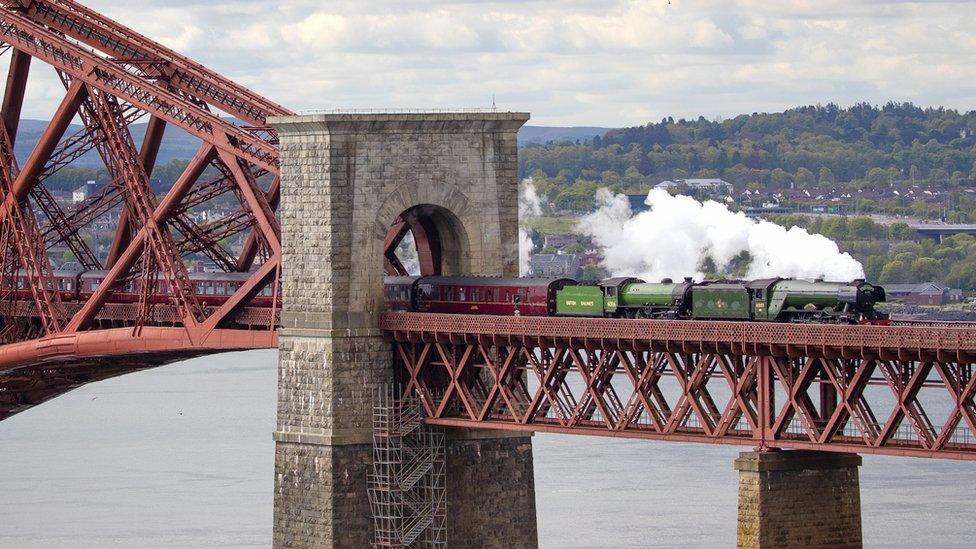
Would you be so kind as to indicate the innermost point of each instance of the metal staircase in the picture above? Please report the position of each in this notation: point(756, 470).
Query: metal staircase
point(406, 485)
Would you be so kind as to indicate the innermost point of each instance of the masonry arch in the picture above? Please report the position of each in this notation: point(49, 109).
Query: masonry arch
point(426, 239)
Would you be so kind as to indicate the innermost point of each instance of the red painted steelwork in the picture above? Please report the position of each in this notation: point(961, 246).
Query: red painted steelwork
point(895, 390)
point(114, 77)
point(40, 369)
point(426, 238)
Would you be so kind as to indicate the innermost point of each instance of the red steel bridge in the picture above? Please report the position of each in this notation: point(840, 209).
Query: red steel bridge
point(904, 390)
point(897, 390)
point(53, 337)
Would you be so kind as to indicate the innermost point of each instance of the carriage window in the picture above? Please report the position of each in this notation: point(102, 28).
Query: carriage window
point(475, 294)
point(495, 294)
point(461, 294)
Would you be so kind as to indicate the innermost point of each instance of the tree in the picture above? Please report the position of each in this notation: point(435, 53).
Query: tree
point(632, 179)
point(826, 176)
point(779, 178)
point(962, 275)
point(804, 178)
point(592, 272)
point(913, 248)
point(913, 174)
point(877, 177)
point(902, 231)
point(873, 266)
point(860, 228)
point(894, 272)
point(610, 178)
point(938, 176)
point(926, 269)
point(906, 257)
point(835, 228)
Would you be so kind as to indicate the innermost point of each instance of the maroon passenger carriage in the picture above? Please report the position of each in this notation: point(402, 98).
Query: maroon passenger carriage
point(474, 295)
point(212, 289)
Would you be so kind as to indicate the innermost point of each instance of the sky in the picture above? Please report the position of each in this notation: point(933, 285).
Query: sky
point(570, 62)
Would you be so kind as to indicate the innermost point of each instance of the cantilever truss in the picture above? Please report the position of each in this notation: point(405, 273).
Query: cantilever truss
point(114, 77)
point(896, 390)
point(406, 487)
point(148, 235)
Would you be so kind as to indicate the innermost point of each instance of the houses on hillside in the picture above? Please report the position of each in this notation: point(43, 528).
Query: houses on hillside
point(926, 293)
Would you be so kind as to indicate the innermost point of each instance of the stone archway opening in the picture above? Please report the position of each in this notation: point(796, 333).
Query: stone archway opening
point(426, 240)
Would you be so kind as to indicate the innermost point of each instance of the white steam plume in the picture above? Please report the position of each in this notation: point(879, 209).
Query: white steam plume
point(675, 237)
point(529, 206)
point(529, 203)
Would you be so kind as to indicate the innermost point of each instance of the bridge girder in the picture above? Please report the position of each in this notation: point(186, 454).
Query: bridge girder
point(892, 390)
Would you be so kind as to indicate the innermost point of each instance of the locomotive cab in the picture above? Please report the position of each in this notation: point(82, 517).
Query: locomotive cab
point(612, 289)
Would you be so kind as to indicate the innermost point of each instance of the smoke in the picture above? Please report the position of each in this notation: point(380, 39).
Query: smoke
point(529, 203)
point(525, 252)
point(679, 235)
point(529, 206)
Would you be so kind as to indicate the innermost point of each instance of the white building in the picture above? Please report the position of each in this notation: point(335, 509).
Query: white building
point(83, 192)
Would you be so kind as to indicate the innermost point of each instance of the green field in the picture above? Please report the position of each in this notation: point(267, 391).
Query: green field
point(551, 225)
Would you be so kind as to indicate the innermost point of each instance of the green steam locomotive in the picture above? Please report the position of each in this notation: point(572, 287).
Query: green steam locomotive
point(765, 300)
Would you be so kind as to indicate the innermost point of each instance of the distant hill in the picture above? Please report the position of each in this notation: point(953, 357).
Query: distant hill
point(800, 146)
point(541, 135)
point(178, 144)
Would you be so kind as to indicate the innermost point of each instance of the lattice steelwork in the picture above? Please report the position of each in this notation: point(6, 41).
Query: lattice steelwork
point(897, 390)
point(406, 486)
point(114, 77)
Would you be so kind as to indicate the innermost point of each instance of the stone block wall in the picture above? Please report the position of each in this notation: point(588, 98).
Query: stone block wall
point(798, 499)
point(345, 180)
point(491, 492)
point(319, 495)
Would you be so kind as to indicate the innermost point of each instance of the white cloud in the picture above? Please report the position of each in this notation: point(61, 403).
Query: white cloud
point(577, 62)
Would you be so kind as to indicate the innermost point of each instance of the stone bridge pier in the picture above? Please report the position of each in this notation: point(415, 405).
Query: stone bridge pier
point(345, 180)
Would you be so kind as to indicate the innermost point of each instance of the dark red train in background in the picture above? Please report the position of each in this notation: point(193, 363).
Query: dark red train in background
point(210, 288)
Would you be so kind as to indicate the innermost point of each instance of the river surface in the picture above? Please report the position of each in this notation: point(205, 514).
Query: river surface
point(182, 456)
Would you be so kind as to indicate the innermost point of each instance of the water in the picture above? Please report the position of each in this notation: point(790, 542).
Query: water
point(182, 456)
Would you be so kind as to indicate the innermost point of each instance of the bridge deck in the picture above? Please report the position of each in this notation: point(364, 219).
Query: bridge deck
point(774, 339)
point(897, 390)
